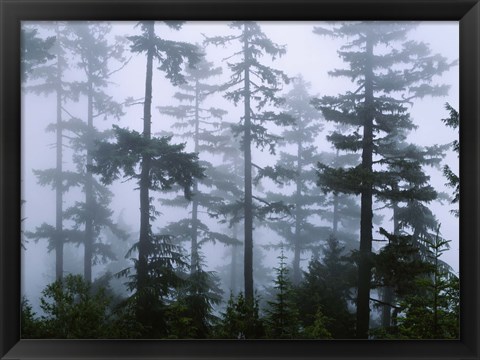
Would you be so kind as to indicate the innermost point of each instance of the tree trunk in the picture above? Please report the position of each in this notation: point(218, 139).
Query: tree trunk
point(388, 294)
point(298, 219)
point(144, 240)
point(248, 261)
point(335, 210)
point(194, 259)
point(89, 197)
point(59, 240)
point(364, 267)
point(234, 264)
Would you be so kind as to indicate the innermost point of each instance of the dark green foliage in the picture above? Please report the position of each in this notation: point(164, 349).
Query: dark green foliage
point(325, 293)
point(170, 54)
point(191, 315)
point(31, 327)
point(433, 310)
point(165, 264)
point(319, 328)
point(281, 320)
point(169, 163)
point(73, 311)
point(240, 320)
point(398, 264)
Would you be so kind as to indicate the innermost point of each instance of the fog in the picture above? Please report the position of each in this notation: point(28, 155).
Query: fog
point(307, 54)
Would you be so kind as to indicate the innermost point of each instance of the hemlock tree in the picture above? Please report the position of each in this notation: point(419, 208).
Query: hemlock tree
point(256, 86)
point(390, 72)
point(95, 54)
point(157, 165)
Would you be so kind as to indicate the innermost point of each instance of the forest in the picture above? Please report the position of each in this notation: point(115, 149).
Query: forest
point(240, 180)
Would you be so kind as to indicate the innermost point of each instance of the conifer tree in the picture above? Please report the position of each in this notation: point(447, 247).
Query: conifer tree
point(407, 190)
point(342, 210)
point(388, 78)
point(241, 320)
point(282, 313)
point(298, 169)
point(51, 80)
point(255, 86)
point(326, 290)
point(432, 310)
point(195, 304)
point(88, 42)
point(157, 165)
point(205, 127)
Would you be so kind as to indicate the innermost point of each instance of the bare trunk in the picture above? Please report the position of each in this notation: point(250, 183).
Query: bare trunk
point(388, 294)
point(194, 259)
point(59, 240)
point(89, 198)
point(298, 219)
point(234, 264)
point(364, 267)
point(248, 262)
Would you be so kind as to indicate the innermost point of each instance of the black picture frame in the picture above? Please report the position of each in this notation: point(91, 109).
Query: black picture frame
point(12, 12)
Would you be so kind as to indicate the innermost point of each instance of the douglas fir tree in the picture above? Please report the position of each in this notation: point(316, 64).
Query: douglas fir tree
point(390, 71)
point(157, 165)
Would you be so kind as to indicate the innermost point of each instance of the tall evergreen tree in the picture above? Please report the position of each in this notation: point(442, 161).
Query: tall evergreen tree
point(253, 83)
point(51, 80)
point(160, 165)
point(388, 78)
point(88, 42)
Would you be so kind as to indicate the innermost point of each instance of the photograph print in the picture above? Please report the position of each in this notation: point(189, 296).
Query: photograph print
point(240, 180)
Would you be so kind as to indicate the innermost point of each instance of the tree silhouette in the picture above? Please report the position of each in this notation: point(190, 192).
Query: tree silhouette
point(377, 109)
point(256, 86)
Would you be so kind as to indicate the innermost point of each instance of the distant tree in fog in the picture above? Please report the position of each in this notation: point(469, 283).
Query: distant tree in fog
point(49, 78)
point(297, 168)
point(94, 56)
point(205, 127)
